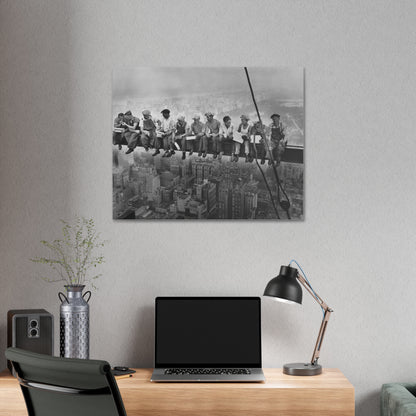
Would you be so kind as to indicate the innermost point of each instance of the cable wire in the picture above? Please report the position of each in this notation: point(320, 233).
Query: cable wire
point(285, 206)
point(267, 185)
point(304, 275)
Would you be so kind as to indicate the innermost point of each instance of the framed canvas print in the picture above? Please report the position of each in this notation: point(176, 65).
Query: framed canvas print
point(208, 143)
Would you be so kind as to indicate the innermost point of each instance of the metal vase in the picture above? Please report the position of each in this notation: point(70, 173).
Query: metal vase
point(75, 322)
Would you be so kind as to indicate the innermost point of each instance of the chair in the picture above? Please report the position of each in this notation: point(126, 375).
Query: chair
point(65, 386)
point(398, 399)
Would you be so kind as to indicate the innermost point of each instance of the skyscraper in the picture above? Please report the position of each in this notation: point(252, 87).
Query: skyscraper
point(237, 208)
point(224, 202)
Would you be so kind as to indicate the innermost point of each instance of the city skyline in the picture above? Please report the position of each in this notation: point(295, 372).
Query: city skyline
point(196, 188)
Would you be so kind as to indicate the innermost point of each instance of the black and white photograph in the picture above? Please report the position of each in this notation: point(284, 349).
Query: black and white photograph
point(208, 143)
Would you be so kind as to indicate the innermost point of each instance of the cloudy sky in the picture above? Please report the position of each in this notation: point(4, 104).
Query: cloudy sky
point(130, 83)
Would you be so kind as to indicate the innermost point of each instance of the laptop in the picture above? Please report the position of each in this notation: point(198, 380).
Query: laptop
point(207, 339)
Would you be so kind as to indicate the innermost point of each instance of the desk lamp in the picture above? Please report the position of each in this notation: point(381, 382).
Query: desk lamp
point(286, 288)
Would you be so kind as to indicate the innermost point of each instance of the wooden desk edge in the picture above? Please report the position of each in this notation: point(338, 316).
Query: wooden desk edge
point(302, 395)
point(270, 374)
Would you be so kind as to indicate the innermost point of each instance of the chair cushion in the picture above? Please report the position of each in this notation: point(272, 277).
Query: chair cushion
point(397, 399)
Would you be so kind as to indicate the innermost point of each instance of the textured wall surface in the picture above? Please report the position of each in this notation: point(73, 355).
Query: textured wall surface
point(357, 243)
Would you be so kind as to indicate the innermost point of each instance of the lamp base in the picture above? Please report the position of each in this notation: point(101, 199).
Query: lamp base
point(302, 369)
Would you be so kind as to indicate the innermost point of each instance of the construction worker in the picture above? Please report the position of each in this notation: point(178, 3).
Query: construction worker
point(212, 132)
point(260, 133)
point(118, 133)
point(165, 134)
point(277, 139)
point(132, 133)
point(226, 135)
point(245, 130)
point(181, 133)
point(197, 129)
point(148, 136)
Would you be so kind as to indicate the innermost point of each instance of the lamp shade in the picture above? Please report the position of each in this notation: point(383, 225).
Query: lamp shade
point(285, 286)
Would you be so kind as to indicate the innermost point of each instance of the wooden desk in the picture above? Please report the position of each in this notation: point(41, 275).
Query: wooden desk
point(329, 394)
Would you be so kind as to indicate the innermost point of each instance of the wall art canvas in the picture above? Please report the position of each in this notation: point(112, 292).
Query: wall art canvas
point(203, 143)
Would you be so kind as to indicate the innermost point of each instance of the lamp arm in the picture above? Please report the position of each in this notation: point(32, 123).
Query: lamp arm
point(327, 314)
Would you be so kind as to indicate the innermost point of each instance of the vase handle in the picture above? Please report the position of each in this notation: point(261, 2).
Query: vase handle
point(89, 297)
point(60, 294)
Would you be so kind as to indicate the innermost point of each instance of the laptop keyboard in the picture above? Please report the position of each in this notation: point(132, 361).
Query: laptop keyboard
point(207, 371)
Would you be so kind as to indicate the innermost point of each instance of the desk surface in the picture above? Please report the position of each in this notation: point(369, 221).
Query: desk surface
point(328, 394)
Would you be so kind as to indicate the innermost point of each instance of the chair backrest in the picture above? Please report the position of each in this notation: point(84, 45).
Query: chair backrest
point(66, 386)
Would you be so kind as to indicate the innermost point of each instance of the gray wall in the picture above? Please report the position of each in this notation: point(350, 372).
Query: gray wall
point(357, 243)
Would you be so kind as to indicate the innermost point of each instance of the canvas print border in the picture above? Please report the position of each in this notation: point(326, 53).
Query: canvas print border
point(208, 143)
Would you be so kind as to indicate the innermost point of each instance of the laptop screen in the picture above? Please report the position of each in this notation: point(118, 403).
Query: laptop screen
point(208, 332)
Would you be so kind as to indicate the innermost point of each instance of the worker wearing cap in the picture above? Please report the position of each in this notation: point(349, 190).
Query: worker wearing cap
point(277, 139)
point(165, 134)
point(212, 133)
point(132, 133)
point(118, 135)
point(197, 129)
point(226, 135)
point(181, 131)
point(245, 130)
point(148, 136)
point(260, 133)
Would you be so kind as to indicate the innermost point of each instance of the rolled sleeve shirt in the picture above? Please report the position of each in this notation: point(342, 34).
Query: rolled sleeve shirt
point(133, 122)
point(227, 132)
point(167, 125)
